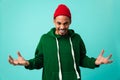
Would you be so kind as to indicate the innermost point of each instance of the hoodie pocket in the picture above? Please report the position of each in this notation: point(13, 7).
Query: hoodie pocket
point(69, 76)
point(54, 76)
point(65, 76)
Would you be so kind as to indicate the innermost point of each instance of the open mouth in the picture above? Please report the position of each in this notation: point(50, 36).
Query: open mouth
point(62, 31)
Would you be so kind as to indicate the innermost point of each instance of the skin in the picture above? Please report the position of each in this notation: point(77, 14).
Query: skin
point(62, 24)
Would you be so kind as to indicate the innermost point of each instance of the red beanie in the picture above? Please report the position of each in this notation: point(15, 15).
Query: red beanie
point(62, 10)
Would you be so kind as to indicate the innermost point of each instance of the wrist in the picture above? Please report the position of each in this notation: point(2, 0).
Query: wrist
point(26, 63)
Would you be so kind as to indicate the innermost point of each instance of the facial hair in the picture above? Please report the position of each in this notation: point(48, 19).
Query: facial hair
point(62, 31)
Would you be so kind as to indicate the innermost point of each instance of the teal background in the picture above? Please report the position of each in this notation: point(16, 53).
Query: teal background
point(22, 22)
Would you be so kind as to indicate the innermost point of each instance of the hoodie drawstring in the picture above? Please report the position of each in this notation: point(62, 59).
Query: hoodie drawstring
point(78, 77)
point(59, 64)
point(73, 56)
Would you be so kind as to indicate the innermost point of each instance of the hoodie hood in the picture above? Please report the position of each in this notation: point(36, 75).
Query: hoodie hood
point(71, 33)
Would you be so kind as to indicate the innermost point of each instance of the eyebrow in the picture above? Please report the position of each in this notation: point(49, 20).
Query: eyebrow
point(65, 23)
point(61, 23)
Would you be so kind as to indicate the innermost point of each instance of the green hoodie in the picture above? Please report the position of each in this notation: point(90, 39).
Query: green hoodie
point(61, 56)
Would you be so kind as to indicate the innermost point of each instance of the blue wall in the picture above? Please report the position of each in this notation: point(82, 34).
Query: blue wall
point(22, 22)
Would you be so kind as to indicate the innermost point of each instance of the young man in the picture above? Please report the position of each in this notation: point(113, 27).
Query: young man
point(63, 53)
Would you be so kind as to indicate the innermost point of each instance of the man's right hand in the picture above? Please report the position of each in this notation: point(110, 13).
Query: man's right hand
point(19, 61)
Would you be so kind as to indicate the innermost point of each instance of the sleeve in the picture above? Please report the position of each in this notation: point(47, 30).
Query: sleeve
point(85, 61)
point(37, 61)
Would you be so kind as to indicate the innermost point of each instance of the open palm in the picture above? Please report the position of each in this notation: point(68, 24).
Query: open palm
point(19, 61)
point(103, 60)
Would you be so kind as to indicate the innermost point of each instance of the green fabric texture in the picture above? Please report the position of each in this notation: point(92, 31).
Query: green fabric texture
point(46, 56)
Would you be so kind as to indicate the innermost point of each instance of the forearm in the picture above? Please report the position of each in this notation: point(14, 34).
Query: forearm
point(88, 62)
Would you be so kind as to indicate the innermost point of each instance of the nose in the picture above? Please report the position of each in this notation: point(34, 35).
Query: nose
point(62, 27)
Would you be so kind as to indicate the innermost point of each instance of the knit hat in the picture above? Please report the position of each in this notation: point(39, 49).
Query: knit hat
point(62, 10)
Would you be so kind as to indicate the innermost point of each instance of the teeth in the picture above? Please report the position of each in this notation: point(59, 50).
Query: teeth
point(62, 31)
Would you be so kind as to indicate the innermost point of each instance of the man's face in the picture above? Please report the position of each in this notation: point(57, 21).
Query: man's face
point(62, 24)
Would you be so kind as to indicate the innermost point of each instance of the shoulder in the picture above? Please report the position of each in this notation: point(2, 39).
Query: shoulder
point(43, 37)
point(77, 36)
point(72, 33)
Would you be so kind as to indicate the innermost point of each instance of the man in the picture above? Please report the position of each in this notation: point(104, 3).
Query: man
point(61, 51)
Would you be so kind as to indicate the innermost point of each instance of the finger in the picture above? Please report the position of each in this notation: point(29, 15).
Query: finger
point(102, 52)
point(10, 61)
point(110, 61)
point(14, 64)
point(10, 58)
point(109, 56)
point(19, 55)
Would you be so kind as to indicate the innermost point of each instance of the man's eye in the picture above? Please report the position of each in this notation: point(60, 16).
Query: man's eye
point(58, 23)
point(66, 23)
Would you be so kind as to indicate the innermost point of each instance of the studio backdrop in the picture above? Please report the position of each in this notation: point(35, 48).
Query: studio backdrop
point(22, 22)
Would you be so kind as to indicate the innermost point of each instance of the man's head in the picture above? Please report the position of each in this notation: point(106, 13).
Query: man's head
point(62, 19)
